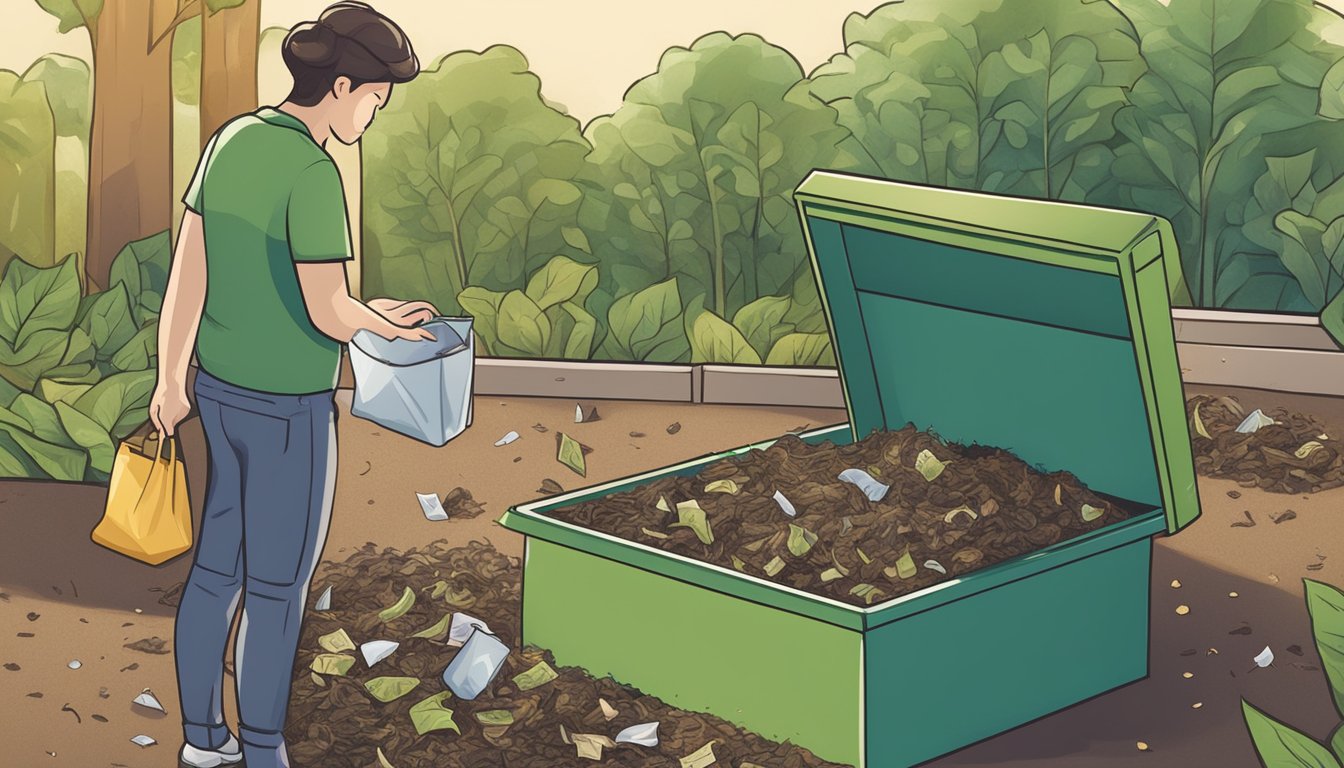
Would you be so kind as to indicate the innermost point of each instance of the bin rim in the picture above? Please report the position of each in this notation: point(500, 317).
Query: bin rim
point(530, 519)
point(467, 342)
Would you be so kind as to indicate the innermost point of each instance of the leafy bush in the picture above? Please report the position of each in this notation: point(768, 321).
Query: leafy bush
point(545, 320)
point(76, 374)
point(1281, 745)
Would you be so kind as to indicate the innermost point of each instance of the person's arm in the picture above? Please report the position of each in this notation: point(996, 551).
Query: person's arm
point(336, 313)
point(179, 319)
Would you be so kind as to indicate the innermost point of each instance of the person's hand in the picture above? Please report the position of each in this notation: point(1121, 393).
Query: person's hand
point(168, 406)
point(406, 313)
point(414, 333)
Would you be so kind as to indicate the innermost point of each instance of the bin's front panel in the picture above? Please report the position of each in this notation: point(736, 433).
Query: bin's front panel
point(940, 680)
point(779, 674)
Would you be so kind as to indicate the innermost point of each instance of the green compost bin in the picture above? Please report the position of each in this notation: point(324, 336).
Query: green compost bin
point(1040, 327)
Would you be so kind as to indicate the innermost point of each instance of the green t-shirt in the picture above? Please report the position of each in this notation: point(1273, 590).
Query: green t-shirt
point(269, 196)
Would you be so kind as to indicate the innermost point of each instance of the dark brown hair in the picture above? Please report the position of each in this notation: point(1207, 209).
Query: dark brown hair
point(350, 39)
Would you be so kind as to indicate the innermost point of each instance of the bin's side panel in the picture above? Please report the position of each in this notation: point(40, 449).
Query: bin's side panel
point(951, 676)
point(781, 675)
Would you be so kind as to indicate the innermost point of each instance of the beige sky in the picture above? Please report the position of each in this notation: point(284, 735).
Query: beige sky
point(587, 52)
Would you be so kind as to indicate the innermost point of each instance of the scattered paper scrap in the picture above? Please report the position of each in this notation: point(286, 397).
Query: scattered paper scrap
point(435, 630)
point(928, 465)
point(785, 504)
point(1059, 495)
point(570, 452)
point(700, 758)
point(644, 734)
point(475, 666)
point(590, 745)
point(432, 507)
point(148, 700)
point(375, 651)
point(75, 664)
point(1264, 658)
point(337, 641)
point(722, 486)
point(430, 715)
point(609, 712)
point(143, 741)
point(399, 608)
point(323, 601)
point(540, 674)
point(387, 689)
point(800, 540)
point(462, 627)
point(934, 565)
point(690, 515)
point(383, 762)
point(1182, 610)
point(905, 566)
point(582, 414)
point(1175, 583)
point(332, 664)
point(1142, 745)
point(1254, 421)
point(874, 490)
point(508, 437)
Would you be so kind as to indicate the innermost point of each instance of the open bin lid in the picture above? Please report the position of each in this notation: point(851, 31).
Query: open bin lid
point(1040, 327)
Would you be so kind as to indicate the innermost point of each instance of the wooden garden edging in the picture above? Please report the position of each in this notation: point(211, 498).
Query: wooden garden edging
point(1243, 349)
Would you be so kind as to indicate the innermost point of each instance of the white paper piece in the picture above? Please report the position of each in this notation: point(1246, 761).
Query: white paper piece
point(376, 650)
point(644, 734)
point(475, 666)
point(143, 741)
point(505, 440)
point(148, 700)
point(578, 414)
point(74, 664)
point(432, 507)
point(785, 504)
point(1264, 658)
point(461, 628)
point(934, 565)
point(608, 712)
point(323, 601)
point(1254, 421)
point(871, 488)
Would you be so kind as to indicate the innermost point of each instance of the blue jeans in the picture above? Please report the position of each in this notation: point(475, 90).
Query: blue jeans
point(268, 499)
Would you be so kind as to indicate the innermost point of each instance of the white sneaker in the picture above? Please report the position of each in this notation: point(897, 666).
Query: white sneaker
point(229, 754)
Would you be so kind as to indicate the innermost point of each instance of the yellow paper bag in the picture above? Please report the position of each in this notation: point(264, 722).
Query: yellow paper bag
point(148, 513)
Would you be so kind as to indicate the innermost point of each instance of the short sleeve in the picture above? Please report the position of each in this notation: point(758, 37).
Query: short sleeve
point(195, 197)
point(316, 219)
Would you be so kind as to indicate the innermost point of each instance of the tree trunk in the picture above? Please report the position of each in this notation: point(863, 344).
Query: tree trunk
point(228, 64)
point(130, 143)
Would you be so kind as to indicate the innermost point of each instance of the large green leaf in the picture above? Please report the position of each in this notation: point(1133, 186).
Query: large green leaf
point(562, 279)
point(138, 353)
point(120, 402)
point(647, 325)
point(80, 349)
point(802, 349)
point(523, 328)
point(33, 299)
point(42, 352)
point(58, 461)
point(142, 265)
point(40, 418)
point(108, 320)
point(1325, 603)
point(483, 306)
point(572, 329)
point(14, 461)
point(715, 340)
point(89, 435)
point(762, 322)
point(62, 390)
point(1280, 746)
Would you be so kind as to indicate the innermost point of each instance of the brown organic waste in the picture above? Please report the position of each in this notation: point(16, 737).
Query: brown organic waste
point(1293, 455)
point(865, 552)
point(337, 724)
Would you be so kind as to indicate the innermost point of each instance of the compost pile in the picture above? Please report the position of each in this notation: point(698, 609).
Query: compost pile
point(1276, 450)
point(336, 721)
point(946, 510)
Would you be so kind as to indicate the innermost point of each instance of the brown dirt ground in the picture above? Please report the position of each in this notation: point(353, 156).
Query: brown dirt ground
point(48, 558)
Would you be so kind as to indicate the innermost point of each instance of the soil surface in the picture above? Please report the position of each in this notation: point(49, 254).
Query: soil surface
point(923, 512)
point(89, 604)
